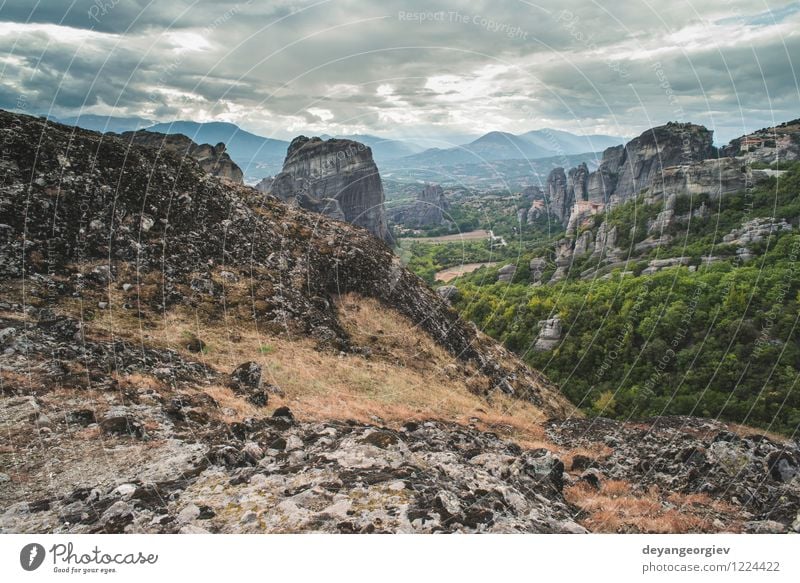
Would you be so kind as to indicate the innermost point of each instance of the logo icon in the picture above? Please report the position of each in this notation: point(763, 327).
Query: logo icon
point(31, 556)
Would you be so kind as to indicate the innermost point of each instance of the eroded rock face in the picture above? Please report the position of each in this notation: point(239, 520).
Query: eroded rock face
point(602, 182)
point(337, 178)
point(578, 182)
point(716, 177)
point(559, 196)
point(645, 157)
point(213, 159)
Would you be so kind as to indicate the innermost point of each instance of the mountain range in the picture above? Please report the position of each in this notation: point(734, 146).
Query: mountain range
point(506, 146)
point(259, 156)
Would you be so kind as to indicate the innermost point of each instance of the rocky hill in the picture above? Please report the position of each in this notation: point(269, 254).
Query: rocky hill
point(335, 177)
point(143, 299)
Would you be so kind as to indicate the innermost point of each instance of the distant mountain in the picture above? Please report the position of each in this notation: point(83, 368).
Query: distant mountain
point(257, 156)
point(506, 146)
point(105, 123)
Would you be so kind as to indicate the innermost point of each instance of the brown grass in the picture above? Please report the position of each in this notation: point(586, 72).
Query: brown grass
point(407, 377)
point(616, 508)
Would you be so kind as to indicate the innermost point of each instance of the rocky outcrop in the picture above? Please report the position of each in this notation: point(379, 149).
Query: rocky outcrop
point(601, 183)
point(560, 197)
point(296, 261)
point(334, 177)
point(768, 145)
point(537, 267)
point(656, 265)
point(213, 159)
point(756, 231)
point(578, 182)
point(606, 242)
point(506, 273)
point(264, 185)
point(715, 177)
point(549, 334)
point(538, 209)
point(645, 157)
point(753, 473)
point(429, 209)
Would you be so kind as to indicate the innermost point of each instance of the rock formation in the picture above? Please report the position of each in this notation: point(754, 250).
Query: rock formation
point(429, 209)
point(560, 197)
point(506, 273)
point(645, 157)
point(715, 177)
point(213, 159)
point(334, 177)
point(549, 334)
point(537, 267)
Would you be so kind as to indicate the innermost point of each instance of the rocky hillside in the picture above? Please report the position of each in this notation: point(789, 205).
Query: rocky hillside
point(213, 159)
point(334, 177)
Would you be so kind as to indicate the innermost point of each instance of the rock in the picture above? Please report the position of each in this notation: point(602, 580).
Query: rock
point(549, 334)
point(506, 273)
point(123, 425)
point(449, 293)
point(593, 477)
point(283, 412)
point(656, 265)
point(584, 244)
point(246, 377)
point(429, 209)
point(537, 267)
point(83, 417)
point(334, 177)
point(188, 514)
point(6, 334)
point(194, 344)
point(757, 230)
point(212, 159)
point(253, 451)
point(559, 197)
point(764, 527)
point(782, 466)
point(646, 157)
point(4, 478)
point(716, 177)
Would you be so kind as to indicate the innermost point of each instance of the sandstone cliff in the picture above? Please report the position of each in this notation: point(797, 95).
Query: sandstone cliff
point(334, 177)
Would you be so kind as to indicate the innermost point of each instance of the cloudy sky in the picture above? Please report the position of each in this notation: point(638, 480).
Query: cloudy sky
point(407, 67)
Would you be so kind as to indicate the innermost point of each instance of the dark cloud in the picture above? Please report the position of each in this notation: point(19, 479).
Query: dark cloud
point(406, 66)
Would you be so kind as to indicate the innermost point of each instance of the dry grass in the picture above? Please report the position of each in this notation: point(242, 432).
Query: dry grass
point(616, 508)
point(407, 377)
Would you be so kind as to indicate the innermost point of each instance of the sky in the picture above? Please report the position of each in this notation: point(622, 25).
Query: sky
point(407, 68)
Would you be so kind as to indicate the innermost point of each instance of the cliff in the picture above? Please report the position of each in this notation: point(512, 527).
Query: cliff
point(337, 178)
point(429, 209)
